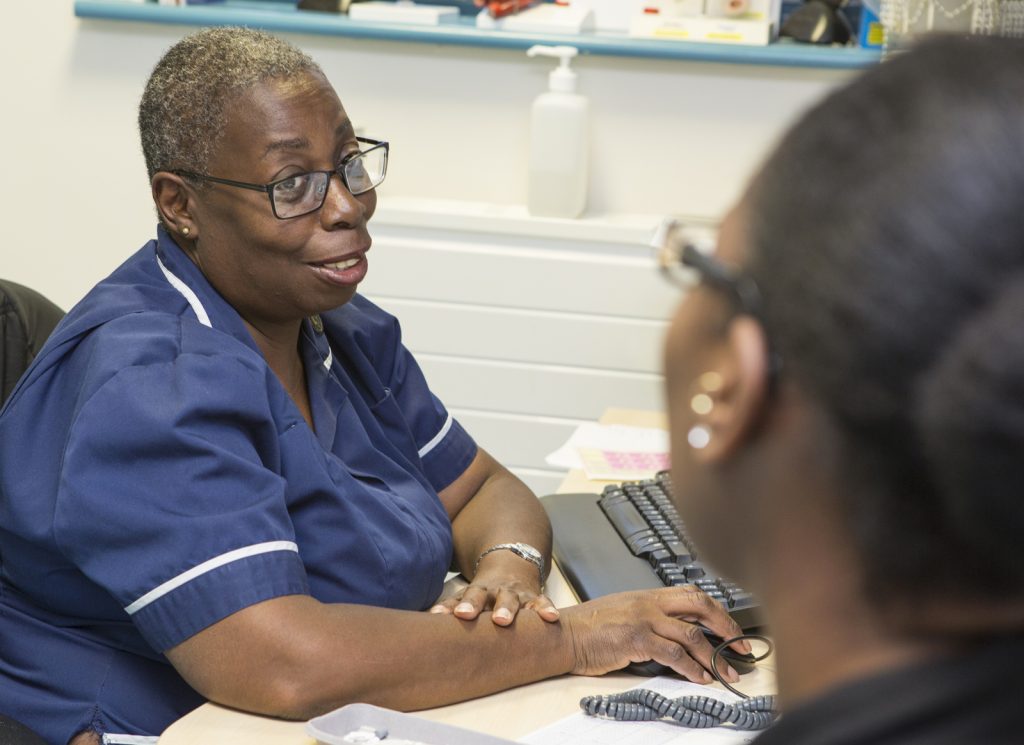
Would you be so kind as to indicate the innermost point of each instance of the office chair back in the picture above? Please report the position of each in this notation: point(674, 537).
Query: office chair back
point(13, 732)
point(26, 320)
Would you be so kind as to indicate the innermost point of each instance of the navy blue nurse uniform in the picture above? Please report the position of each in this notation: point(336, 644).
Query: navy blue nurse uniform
point(155, 477)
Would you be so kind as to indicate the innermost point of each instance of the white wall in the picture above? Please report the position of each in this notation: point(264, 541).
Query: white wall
point(669, 136)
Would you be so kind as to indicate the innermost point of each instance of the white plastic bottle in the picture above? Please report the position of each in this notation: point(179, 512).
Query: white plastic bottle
point(559, 142)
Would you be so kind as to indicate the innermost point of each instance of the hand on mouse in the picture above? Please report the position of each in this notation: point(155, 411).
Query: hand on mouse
point(661, 625)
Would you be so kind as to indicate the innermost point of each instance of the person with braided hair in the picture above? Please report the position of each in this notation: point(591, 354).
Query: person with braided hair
point(857, 455)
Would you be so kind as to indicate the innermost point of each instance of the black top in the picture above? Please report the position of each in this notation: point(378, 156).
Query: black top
point(972, 698)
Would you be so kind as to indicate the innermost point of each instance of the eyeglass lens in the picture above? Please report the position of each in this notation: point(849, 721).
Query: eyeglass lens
point(670, 257)
point(306, 192)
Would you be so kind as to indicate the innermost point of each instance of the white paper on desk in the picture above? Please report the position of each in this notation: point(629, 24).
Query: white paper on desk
point(580, 729)
point(646, 447)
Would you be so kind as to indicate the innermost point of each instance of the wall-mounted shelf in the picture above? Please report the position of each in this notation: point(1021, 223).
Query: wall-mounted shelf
point(273, 15)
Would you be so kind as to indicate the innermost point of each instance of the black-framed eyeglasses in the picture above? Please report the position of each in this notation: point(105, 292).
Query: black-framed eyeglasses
point(303, 193)
point(685, 266)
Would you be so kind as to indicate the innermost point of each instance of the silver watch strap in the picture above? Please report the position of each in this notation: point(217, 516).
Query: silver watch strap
point(522, 550)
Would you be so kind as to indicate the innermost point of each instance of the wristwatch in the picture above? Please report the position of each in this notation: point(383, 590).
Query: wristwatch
point(523, 550)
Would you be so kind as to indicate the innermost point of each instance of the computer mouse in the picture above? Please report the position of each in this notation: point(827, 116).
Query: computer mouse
point(741, 663)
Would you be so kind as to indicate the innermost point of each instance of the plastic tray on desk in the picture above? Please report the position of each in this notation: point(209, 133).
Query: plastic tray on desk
point(331, 728)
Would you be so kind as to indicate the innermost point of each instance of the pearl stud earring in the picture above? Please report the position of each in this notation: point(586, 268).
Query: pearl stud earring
point(699, 436)
point(702, 404)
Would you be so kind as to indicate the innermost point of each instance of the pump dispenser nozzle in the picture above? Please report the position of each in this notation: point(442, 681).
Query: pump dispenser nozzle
point(562, 78)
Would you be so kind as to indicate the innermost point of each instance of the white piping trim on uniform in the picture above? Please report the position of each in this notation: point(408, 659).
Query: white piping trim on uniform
point(185, 290)
point(118, 739)
point(208, 566)
point(330, 358)
point(437, 438)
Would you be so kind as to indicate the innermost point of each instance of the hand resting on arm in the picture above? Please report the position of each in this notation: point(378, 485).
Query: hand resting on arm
point(489, 506)
point(295, 657)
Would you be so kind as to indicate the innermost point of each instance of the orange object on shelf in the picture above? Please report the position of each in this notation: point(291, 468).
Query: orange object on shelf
point(502, 8)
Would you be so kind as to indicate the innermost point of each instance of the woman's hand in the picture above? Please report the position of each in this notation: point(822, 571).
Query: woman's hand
point(489, 506)
point(503, 584)
point(611, 632)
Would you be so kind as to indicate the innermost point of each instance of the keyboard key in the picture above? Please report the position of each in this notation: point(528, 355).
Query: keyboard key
point(643, 543)
point(741, 600)
point(671, 575)
point(680, 551)
point(624, 516)
point(659, 557)
point(667, 536)
point(694, 571)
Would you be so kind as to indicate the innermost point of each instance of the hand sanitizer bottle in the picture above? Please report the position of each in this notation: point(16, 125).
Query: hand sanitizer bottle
point(559, 142)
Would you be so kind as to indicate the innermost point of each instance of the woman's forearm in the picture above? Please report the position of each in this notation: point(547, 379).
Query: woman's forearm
point(503, 510)
point(295, 657)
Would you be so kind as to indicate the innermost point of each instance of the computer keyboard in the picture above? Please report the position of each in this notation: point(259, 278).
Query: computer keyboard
point(631, 537)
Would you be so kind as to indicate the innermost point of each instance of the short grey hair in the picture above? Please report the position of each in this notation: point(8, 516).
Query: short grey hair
point(181, 115)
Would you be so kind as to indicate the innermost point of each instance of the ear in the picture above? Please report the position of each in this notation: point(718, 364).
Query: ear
point(739, 403)
point(173, 199)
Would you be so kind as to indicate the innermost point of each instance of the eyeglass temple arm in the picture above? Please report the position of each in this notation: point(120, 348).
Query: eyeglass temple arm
point(743, 288)
point(229, 182)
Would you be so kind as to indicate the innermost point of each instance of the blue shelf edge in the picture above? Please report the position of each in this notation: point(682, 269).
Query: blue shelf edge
point(285, 18)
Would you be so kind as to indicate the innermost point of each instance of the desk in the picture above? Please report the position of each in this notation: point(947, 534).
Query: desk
point(510, 714)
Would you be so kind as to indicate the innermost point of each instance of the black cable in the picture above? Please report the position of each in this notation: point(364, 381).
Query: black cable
point(645, 705)
point(723, 647)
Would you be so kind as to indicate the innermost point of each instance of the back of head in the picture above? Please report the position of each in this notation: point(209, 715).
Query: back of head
point(181, 115)
point(887, 236)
